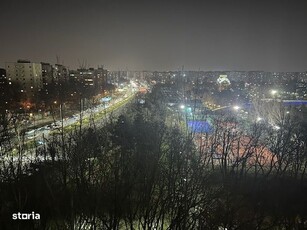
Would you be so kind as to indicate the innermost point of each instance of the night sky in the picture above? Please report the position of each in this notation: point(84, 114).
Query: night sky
point(268, 35)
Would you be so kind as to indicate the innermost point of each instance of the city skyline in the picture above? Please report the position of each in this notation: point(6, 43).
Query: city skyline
point(143, 35)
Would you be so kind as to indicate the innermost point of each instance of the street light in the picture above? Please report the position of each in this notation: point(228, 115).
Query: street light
point(60, 107)
point(273, 92)
point(236, 108)
point(182, 106)
point(259, 119)
point(276, 127)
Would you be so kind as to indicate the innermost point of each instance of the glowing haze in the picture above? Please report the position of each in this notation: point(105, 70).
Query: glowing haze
point(210, 35)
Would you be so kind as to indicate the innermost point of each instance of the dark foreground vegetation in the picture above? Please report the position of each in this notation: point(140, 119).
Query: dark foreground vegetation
point(141, 171)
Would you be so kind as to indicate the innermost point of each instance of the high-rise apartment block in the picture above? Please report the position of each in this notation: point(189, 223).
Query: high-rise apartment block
point(27, 75)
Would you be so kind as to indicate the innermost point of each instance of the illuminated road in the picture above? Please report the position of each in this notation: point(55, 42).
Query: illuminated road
point(38, 137)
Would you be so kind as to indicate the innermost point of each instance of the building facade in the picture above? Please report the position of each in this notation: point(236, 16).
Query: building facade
point(27, 75)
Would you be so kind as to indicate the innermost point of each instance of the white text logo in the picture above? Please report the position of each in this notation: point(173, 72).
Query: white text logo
point(26, 216)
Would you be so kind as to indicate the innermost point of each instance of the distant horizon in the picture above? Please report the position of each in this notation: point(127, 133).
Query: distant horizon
point(2, 66)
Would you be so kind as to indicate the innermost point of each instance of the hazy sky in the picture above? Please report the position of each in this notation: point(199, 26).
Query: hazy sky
point(266, 35)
